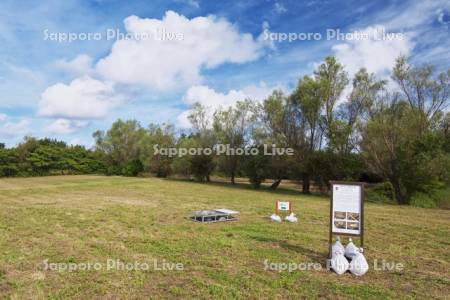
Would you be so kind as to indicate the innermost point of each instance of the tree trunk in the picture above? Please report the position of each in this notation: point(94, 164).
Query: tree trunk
point(208, 179)
point(232, 178)
point(399, 196)
point(306, 183)
point(275, 184)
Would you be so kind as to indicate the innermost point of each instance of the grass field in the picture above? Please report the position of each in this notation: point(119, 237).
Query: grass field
point(81, 219)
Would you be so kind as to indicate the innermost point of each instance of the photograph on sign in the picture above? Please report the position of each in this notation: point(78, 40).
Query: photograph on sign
point(346, 209)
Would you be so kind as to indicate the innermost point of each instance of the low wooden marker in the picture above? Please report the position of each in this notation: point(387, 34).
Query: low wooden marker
point(346, 210)
point(283, 206)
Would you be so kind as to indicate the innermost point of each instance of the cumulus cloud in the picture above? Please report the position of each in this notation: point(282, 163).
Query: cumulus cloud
point(83, 98)
point(200, 43)
point(14, 129)
point(205, 42)
point(80, 65)
point(375, 54)
point(64, 126)
point(213, 100)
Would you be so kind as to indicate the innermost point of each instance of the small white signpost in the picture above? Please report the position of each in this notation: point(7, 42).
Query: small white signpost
point(283, 206)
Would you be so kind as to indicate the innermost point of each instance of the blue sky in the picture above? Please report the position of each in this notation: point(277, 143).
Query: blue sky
point(227, 51)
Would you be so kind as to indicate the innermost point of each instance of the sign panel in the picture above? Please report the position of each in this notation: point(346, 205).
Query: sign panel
point(347, 208)
point(283, 206)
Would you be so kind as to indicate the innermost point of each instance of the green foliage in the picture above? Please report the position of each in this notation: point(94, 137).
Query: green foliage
point(326, 166)
point(257, 168)
point(36, 157)
point(420, 199)
point(133, 168)
point(437, 195)
point(233, 127)
point(157, 137)
point(381, 192)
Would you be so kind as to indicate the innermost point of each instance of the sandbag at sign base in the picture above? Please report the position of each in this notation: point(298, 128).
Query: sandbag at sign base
point(291, 218)
point(337, 246)
point(339, 263)
point(275, 218)
point(359, 265)
point(350, 250)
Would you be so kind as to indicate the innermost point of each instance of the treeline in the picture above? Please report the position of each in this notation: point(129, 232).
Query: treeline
point(395, 133)
point(35, 157)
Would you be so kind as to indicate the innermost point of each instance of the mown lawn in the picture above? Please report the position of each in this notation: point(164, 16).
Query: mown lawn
point(81, 219)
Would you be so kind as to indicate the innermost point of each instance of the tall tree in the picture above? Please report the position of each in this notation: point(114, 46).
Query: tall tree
point(423, 89)
point(279, 128)
point(202, 165)
point(393, 147)
point(121, 145)
point(354, 112)
point(233, 127)
point(309, 105)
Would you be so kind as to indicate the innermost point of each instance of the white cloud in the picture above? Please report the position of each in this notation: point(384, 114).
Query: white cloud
point(80, 65)
point(376, 55)
point(81, 142)
point(3, 117)
point(209, 97)
point(14, 129)
point(212, 99)
point(413, 14)
point(279, 8)
point(64, 126)
point(25, 73)
point(194, 3)
point(83, 98)
point(206, 42)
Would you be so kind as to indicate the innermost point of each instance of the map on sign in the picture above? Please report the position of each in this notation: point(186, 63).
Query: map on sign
point(346, 209)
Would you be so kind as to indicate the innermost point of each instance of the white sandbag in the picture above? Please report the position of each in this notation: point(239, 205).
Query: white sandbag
point(337, 246)
point(291, 218)
point(338, 262)
point(275, 218)
point(350, 249)
point(359, 265)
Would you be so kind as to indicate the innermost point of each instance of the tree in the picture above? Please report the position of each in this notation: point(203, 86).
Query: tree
point(233, 127)
point(157, 136)
point(201, 165)
point(422, 88)
point(394, 148)
point(308, 107)
point(277, 127)
point(257, 167)
point(352, 113)
point(331, 80)
point(38, 157)
point(121, 147)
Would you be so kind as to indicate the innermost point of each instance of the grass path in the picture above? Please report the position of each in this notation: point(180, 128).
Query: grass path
point(80, 219)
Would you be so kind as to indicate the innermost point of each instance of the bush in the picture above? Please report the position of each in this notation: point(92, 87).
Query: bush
point(381, 192)
point(256, 168)
point(432, 199)
point(133, 168)
point(420, 199)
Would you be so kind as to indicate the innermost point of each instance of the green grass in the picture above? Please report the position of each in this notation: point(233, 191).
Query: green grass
point(81, 219)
